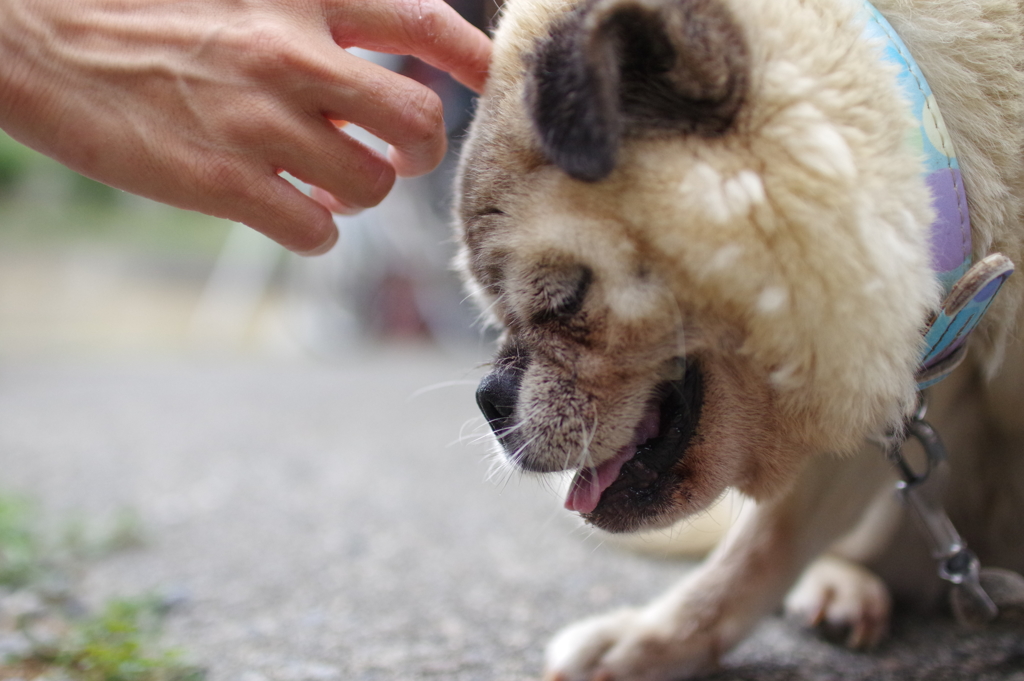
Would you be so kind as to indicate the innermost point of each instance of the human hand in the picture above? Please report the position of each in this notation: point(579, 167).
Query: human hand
point(201, 103)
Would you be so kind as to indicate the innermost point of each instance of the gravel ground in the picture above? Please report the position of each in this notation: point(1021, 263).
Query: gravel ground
point(325, 522)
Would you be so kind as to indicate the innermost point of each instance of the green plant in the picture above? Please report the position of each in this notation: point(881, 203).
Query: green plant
point(118, 645)
point(26, 556)
point(19, 550)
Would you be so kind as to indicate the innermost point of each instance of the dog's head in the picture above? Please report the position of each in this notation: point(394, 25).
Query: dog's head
point(704, 235)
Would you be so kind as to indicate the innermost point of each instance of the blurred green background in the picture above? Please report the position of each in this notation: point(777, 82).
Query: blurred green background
point(43, 205)
point(88, 270)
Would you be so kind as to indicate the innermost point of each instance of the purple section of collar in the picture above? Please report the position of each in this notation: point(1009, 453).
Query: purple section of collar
point(950, 349)
point(990, 290)
point(951, 231)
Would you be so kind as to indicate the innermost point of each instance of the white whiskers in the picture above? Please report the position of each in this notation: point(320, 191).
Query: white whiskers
point(440, 386)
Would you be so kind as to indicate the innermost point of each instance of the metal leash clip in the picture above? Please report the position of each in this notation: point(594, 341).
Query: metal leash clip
point(957, 564)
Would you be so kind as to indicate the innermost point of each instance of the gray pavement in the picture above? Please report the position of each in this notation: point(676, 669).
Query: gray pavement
point(329, 521)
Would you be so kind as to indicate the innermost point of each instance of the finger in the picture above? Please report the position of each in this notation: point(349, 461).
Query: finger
point(428, 29)
point(332, 203)
point(325, 157)
point(279, 210)
point(407, 115)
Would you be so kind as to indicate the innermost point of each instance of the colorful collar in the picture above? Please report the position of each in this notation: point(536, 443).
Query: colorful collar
point(968, 290)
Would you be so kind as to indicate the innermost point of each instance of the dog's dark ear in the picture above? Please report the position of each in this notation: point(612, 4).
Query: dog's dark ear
point(617, 67)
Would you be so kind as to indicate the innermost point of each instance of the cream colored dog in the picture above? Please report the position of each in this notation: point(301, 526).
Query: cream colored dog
point(706, 236)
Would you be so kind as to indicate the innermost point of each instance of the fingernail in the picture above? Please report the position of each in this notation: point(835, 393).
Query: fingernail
point(322, 248)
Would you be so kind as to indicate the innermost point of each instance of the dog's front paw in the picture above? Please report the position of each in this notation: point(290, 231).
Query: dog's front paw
point(628, 645)
point(842, 600)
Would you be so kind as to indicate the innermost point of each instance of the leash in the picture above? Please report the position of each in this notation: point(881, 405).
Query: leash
point(957, 564)
point(979, 595)
point(969, 290)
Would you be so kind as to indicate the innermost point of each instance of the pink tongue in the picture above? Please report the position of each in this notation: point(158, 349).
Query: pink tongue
point(590, 483)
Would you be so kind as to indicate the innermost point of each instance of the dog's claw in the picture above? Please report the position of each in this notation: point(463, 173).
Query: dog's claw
point(841, 600)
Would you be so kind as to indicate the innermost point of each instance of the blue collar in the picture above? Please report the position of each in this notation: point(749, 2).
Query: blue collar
point(968, 289)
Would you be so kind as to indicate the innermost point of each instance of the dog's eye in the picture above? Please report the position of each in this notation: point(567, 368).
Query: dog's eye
point(481, 222)
point(561, 291)
point(480, 215)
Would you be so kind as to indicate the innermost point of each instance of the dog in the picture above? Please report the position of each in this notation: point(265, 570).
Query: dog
point(704, 228)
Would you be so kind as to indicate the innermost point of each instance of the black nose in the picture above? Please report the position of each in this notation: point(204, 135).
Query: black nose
point(497, 396)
